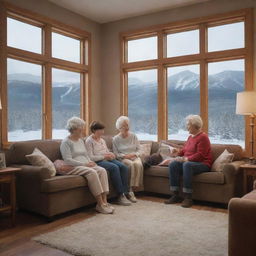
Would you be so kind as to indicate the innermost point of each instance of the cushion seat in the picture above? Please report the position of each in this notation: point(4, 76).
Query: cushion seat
point(207, 177)
point(60, 183)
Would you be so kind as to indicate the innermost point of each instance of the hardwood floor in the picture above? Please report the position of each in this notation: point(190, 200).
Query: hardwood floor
point(16, 241)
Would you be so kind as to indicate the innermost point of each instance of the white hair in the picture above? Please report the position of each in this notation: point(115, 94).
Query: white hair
point(75, 123)
point(121, 120)
point(195, 120)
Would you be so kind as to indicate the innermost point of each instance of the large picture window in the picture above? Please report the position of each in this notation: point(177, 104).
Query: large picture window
point(197, 72)
point(45, 69)
point(183, 98)
point(24, 100)
point(65, 100)
point(225, 80)
point(142, 103)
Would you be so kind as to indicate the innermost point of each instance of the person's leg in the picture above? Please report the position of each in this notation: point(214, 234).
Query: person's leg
point(175, 171)
point(130, 165)
point(123, 173)
point(190, 169)
point(103, 177)
point(139, 170)
point(115, 176)
point(94, 185)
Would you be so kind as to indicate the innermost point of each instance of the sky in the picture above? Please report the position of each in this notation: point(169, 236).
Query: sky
point(28, 37)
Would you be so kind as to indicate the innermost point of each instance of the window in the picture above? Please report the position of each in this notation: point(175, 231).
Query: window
point(142, 103)
point(45, 76)
point(24, 100)
point(147, 46)
point(183, 98)
point(225, 80)
point(232, 33)
point(66, 48)
point(202, 64)
point(19, 35)
point(183, 43)
point(65, 100)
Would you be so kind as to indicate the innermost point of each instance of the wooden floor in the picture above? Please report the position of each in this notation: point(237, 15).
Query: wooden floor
point(16, 241)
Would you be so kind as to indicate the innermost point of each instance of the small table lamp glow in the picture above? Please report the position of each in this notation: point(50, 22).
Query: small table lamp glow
point(246, 105)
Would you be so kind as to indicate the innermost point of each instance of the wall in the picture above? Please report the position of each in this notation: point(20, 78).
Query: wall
point(110, 46)
point(53, 11)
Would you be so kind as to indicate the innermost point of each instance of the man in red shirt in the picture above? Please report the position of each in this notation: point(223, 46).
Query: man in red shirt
point(194, 158)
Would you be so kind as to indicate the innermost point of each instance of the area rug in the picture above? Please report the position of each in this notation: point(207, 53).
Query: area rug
point(144, 229)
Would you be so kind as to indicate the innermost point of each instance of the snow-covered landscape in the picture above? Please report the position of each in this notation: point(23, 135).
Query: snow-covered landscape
point(225, 126)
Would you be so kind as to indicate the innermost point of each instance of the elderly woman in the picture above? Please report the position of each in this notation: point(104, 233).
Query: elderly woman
point(99, 152)
point(194, 158)
point(74, 153)
point(126, 147)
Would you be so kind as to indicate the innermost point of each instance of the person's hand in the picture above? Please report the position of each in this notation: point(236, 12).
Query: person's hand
point(185, 159)
point(113, 156)
point(175, 151)
point(91, 164)
point(180, 159)
point(130, 156)
point(109, 156)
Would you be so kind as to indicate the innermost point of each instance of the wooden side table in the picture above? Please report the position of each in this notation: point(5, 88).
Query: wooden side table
point(7, 176)
point(249, 170)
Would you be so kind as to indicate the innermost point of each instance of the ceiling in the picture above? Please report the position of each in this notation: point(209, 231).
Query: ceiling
point(104, 11)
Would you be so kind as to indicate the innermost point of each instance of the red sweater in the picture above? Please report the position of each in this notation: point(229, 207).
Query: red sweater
point(198, 149)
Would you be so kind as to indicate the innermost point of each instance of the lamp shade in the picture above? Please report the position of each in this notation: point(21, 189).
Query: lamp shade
point(246, 103)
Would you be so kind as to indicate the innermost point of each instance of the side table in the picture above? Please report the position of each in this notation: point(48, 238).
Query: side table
point(249, 170)
point(7, 176)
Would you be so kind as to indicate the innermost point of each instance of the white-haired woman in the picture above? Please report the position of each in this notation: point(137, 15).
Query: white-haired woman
point(126, 147)
point(74, 153)
point(195, 157)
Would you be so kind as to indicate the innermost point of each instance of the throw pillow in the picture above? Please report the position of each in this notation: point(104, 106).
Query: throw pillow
point(37, 158)
point(61, 167)
point(223, 159)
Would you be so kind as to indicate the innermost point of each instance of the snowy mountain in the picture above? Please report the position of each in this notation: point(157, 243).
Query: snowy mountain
point(187, 80)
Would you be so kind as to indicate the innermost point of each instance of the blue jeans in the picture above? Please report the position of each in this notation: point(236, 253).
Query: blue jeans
point(187, 170)
point(118, 174)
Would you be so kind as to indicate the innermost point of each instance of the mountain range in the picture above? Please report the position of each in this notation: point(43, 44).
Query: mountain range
point(25, 93)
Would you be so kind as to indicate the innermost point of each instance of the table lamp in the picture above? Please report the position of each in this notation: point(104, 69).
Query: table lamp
point(246, 105)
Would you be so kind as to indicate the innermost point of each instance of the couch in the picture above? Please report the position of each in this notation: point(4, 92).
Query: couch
point(38, 192)
point(242, 225)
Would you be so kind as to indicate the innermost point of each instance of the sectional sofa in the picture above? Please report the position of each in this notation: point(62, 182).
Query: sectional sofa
point(38, 192)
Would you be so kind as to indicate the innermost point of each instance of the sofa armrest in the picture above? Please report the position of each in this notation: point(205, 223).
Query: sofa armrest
point(231, 170)
point(242, 227)
point(36, 173)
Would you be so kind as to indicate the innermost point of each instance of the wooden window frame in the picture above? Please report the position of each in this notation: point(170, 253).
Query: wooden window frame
point(47, 62)
point(203, 58)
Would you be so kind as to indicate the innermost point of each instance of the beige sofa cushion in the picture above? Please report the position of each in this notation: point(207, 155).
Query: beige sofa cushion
point(60, 183)
point(206, 177)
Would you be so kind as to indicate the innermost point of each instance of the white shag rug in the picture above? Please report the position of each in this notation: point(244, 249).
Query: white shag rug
point(144, 229)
